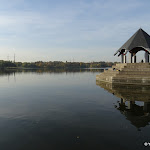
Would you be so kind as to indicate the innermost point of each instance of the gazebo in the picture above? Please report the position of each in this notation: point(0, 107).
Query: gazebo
point(140, 41)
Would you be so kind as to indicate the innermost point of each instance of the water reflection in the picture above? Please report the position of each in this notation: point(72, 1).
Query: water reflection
point(12, 72)
point(4, 72)
point(134, 102)
point(62, 110)
point(139, 116)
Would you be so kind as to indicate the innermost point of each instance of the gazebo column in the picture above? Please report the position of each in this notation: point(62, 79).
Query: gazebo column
point(130, 57)
point(123, 101)
point(146, 57)
point(122, 58)
point(133, 58)
point(146, 106)
point(130, 104)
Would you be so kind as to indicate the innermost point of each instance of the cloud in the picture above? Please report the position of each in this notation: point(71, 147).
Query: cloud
point(71, 25)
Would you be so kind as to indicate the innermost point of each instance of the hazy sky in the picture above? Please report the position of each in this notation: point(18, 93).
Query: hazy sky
point(79, 30)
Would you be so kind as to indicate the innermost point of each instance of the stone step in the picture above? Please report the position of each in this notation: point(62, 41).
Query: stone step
point(104, 78)
point(137, 65)
point(106, 75)
point(136, 69)
point(118, 66)
point(132, 76)
point(138, 73)
point(134, 72)
point(131, 80)
point(111, 71)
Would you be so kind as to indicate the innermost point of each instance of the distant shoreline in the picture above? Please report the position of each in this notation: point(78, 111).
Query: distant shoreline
point(54, 65)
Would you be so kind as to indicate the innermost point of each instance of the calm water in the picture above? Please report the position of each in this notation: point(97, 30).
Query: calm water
point(69, 111)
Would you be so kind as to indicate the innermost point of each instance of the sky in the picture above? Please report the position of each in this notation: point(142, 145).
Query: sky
point(69, 30)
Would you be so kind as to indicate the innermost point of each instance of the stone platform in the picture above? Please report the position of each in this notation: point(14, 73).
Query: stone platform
point(127, 73)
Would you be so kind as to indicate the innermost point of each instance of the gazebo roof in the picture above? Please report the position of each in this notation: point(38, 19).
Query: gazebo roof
point(139, 39)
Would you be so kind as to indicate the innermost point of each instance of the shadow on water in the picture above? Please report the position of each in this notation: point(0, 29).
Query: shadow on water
point(134, 102)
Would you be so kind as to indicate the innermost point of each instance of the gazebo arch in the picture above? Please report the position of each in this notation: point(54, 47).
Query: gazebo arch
point(139, 41)
point(135, 50)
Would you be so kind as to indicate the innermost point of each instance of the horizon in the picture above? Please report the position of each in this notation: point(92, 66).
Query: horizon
point(58, 61)
point(80, 31)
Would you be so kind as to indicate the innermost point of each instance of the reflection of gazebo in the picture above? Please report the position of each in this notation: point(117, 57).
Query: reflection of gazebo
point(139, 116)
point(139, 41)
point(127, 92)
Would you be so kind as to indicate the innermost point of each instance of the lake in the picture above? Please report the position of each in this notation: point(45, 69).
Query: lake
point(69, 110)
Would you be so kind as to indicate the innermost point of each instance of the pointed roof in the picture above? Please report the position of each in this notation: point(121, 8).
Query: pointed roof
point(139, 39)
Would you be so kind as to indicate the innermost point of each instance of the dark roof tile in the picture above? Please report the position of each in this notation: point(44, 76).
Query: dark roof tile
point(139, 39)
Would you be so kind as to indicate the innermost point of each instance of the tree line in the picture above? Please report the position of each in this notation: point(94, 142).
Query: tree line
point(54, 64)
